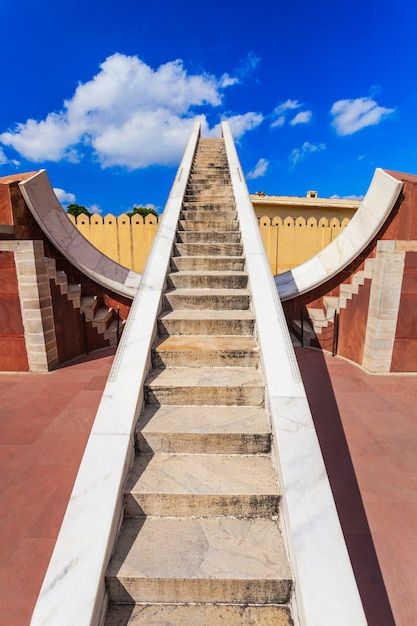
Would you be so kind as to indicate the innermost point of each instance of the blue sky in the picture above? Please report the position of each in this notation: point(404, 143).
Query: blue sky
point(102, 94)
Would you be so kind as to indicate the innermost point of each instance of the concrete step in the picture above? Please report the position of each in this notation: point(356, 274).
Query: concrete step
point(207, 279)
point(209, 216)
point(208, 196)
point(50, 267)
point(89, 306)
point(102, 317)
point(202, 485)
point(74, 291)
point(331, 304)
point(215, 164)
point(206, 322)
point(209, 176)
point(205, 385)
point(208, 225)
point(208, 249)
point(208, 206)
point(202, 351)
point(207, 188)
point(219, 263)
point(215, 184)
point(348, 289)
point(62, 281)
point(199, 560)
point(216, 158)
point(207, 237)
point(203, 429)
point(197, 615)
point(206, 299)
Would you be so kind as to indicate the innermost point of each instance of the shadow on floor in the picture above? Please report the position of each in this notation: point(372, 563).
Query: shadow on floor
point(345, 487)
point(100, 353)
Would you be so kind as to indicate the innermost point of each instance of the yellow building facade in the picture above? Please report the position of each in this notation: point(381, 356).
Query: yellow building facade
point(293, 229)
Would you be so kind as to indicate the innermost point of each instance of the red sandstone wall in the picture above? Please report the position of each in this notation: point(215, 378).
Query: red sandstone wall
point(404, 356)
point(352, 324)
point(13, 355)
point(69, 328)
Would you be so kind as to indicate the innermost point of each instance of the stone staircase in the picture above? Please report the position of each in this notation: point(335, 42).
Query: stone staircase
point(200, 541)
point(102, 317)
point(322, 318)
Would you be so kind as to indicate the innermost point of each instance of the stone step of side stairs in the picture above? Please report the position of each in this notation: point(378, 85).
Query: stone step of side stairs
point(319, 319)
point(102, 318)
point(200, 541)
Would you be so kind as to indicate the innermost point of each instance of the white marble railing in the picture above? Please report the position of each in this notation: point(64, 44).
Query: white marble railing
point(325, 588)
point(73, 591)
point(346, 247)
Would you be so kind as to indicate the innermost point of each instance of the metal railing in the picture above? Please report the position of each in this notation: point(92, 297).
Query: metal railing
point(329, 333)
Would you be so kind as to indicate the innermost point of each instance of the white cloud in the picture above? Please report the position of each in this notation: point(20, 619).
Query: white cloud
point(239, 124)
point(5, 160)
point(288, 105)
point(283, 110)
point(94, 208)
point(298, 154)
point(280, 121)
point(303, 117)
point(129, 114)
point(259, 169)
point(349, 116)
point(227, 81)
point(65, 197)
point(350, 197)
point(248, 65)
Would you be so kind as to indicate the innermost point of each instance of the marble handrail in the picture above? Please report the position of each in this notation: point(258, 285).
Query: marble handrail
point(324, 584)
point(368, 220)
point(73, 591)
point(49, 214)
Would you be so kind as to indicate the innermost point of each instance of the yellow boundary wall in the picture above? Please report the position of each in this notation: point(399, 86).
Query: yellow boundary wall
point(288, 241)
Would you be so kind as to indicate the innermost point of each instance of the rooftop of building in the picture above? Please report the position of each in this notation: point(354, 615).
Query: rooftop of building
point(310, 200)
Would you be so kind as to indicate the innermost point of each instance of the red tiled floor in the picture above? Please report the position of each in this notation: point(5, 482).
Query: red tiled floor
point(367, 427)
point(45, 420)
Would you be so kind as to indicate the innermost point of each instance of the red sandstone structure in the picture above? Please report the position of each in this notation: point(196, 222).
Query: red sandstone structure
point(61, 297)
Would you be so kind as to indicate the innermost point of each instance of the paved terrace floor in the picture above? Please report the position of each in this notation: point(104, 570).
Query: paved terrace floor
point(367, 427)
point(45, 420)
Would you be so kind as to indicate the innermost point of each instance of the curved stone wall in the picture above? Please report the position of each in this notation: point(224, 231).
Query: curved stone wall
point(364, 226)
point(49, 214)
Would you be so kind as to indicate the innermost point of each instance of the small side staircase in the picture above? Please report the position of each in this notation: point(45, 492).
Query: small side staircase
point(200, 541)
point(320, 319)
point(102, 318)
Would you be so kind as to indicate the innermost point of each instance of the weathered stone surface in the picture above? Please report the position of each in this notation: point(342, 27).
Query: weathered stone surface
point(202, 484)
point(207, 299)
point(207, 429)
point(205, 385)
point(206, 322)
point(198, 615)
point(199, 560)
point(201, 502)
point(210, 350)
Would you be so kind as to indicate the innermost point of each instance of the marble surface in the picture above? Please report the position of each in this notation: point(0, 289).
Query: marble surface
point(200, 615)
point(325, 588)
point(214, 474)
point(362, 228)
point(205, 560)
point(384, 303)
point(49, 214)
point(77, 567)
